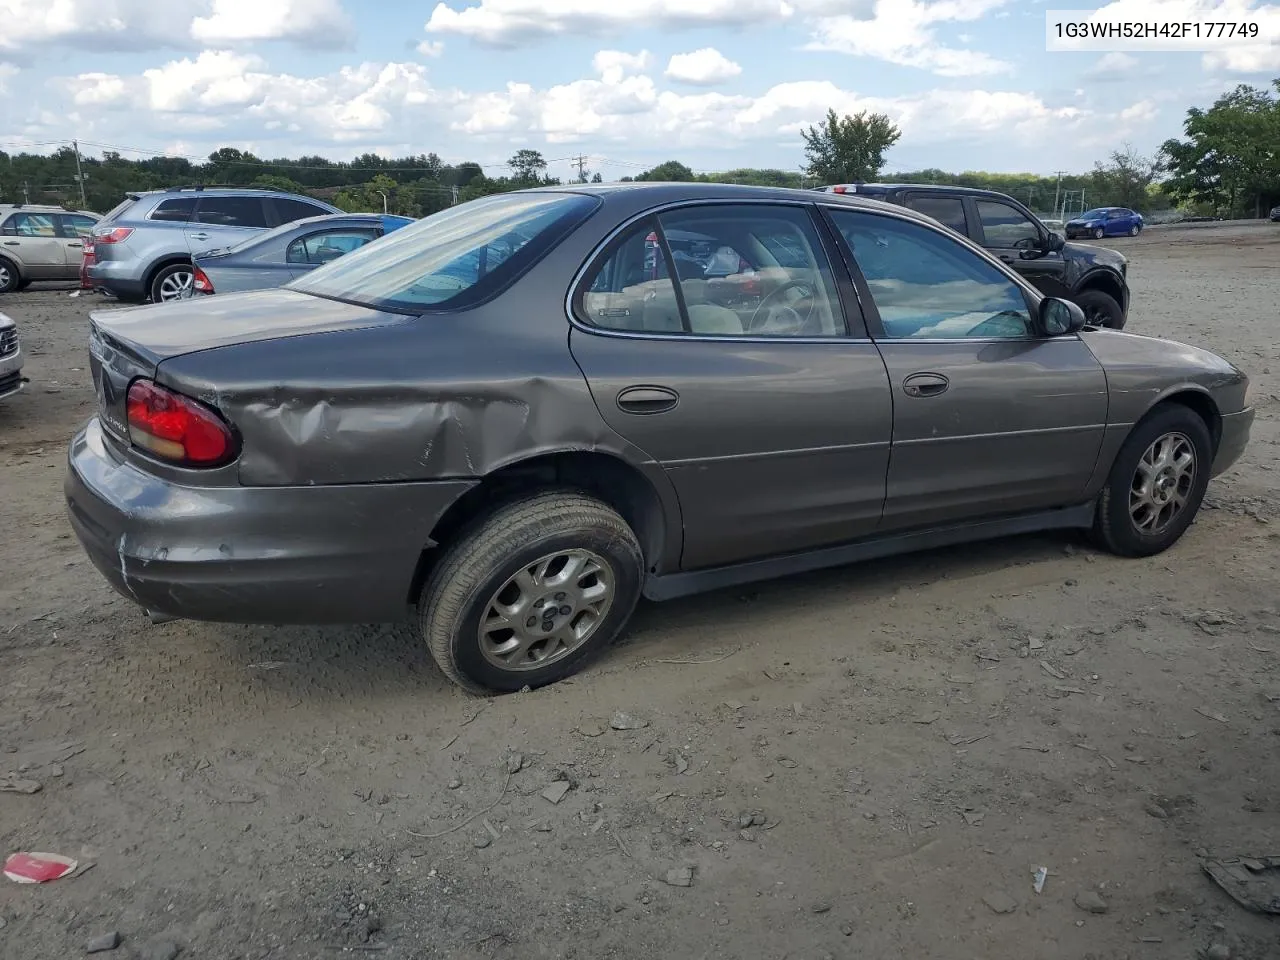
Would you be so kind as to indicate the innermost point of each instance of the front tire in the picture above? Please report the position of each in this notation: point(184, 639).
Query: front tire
point(530, 593)
point(10, 278)
point(1134, 230)
point(174, 282)
point(1100, 309)
point(1157, 484)
point(1098, 233)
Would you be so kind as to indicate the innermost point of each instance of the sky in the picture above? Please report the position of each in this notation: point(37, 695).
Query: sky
point(716, 84)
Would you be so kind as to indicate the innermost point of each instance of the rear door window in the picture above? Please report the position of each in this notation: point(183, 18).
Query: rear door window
point(77, 225)
point(231, 212)
point(948, 211)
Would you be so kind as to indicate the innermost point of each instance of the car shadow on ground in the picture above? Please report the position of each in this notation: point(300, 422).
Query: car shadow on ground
point(390, 660)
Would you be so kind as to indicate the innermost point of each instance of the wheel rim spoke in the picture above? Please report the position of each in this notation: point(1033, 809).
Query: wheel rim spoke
point(1162, 483)
point(546, 610)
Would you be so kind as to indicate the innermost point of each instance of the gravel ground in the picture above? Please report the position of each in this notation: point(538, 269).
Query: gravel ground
point(866, 763)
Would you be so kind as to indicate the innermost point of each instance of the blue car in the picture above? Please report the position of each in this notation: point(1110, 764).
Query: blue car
point(1105, 222)
point(273, 258)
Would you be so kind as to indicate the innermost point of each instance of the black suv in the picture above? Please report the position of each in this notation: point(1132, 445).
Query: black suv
point(1093, 277)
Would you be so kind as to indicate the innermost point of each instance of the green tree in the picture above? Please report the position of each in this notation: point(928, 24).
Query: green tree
point(527, 167)
point(1230, 158)
point(369, 197)
point(1127, 180)
point(673, 171)
point(849, 149)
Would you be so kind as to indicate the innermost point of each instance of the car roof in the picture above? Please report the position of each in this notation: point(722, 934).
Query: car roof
point(45, 208)
point(657, 194)
point(873, 188)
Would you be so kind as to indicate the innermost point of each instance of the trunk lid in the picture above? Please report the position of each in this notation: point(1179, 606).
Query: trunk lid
point(125, 344)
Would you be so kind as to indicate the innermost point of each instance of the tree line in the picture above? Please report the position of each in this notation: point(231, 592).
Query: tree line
point(1228, 164)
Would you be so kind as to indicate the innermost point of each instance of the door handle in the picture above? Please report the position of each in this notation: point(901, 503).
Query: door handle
point(1006, 258)
point(647, 400)
point(75, 244)
point(11, 243)
point(925, 385)
point(198, 236)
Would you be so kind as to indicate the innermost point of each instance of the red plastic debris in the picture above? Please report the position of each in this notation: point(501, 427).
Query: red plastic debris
point(37, 867)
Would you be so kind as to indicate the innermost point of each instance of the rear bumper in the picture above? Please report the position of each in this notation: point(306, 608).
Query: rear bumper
point(1234, 439)
point(325, 554)
point(116, 277)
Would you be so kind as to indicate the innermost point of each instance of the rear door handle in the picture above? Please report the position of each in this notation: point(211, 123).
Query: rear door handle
point(925, 385)
point(199, 236)
point(76, 244)
point(647, 400)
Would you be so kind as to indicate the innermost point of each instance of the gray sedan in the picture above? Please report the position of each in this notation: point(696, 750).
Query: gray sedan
point(514, 418)
point(277, 256)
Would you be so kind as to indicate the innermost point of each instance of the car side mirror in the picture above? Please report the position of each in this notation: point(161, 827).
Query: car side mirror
point(1054, 242)
point(1060, 318)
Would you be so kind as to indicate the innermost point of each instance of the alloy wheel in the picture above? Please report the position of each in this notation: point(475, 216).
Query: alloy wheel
point(546, 610)
point(1162, 483)
point(6, 277)
point(179, 285)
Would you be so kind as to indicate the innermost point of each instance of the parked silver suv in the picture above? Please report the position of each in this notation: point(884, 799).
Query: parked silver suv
point(40, 242)
point(143, 248)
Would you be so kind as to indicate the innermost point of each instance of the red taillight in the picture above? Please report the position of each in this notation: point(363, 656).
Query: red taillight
point(201, 282)
point(176, 428)
point(118, 235)
point(839, 189)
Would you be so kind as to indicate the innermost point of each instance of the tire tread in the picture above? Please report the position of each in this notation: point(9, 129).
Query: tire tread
point(484, 545)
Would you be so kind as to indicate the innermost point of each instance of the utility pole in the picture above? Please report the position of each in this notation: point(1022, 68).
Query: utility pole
point(581, 163)
point(79, 173)
point(26, 196)
point(454, 198)
point(1056, 191)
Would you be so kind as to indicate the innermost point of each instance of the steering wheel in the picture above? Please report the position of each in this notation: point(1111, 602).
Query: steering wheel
point(787, 313)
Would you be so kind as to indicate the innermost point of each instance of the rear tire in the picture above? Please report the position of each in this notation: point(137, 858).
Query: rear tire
point(1100, 309)
point(1157, 484)
point(170, 282)
point(10, 278)
point(531, 592)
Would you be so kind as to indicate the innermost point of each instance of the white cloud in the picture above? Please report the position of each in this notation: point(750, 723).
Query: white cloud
point(234, 98)
point(316, 22)
point(704, 67)
point(510, 22)
point(901, 32)
point(613, 65)
point(176, 24)
point(1141, 112)
point(431, 48)
point(97, 24)
point(1113, 66)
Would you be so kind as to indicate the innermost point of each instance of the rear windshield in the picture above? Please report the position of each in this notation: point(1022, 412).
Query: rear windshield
point(118, 209)
point(454, 258)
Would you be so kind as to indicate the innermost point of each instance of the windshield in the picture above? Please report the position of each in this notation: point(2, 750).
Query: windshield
point(454, 258)
point(1094, 214)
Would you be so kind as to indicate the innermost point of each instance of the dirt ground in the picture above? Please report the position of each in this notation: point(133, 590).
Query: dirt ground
point(859, 764)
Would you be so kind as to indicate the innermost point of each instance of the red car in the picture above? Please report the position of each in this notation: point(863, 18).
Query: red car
point(85, 262)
